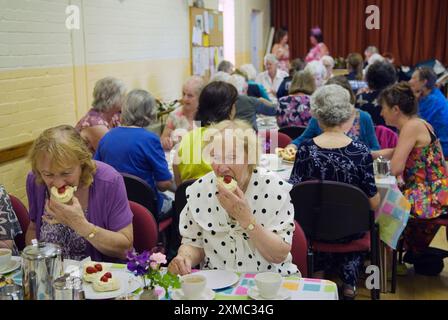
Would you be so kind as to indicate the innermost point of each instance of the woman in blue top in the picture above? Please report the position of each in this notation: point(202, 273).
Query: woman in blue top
point(132, 149)
point(433, 106)
point(362, 130)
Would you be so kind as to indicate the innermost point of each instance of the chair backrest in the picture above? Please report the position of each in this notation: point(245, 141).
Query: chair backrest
point(299, 250)
point(281, 142)
point(292, 132)
point(140, 191)
point(329, 210)
point(24, 221)
point(180, 197)
point(386, 137)
point(145, 228)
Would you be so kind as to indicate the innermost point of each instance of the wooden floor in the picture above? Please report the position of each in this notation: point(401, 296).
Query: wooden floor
point(417, 287)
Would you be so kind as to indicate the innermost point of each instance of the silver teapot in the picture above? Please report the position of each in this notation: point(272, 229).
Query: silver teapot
point(381, 167)
point(41, 265)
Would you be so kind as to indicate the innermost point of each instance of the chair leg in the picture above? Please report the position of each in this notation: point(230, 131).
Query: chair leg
point(394, 272)
point(400, 246)
point(310, 263)
point(375, 257)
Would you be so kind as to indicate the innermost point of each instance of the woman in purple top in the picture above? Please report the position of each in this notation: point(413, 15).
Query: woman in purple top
point(108, 97)
point(97, 222)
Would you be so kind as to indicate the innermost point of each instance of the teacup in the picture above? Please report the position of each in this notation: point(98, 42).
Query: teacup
point(193, 286)
point(268, 284)
point(5, 258)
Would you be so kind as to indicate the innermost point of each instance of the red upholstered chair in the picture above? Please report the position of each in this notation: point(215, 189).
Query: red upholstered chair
point(386, 137)
point(145, 228)
point(138, 190)
point(292, 132)
point(24, 220)
point(299, 250)
point(271, 142)
point(328, 211)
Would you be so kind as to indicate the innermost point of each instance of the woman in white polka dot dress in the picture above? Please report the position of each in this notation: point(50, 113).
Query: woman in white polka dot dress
point(248, 229)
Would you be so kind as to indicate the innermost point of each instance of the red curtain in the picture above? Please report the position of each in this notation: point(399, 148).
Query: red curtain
point(412, 30)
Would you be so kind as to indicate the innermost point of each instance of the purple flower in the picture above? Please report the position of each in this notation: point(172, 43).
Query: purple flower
point(138, 263)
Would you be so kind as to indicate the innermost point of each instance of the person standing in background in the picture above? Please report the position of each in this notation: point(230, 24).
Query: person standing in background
point(319, 48)
point(281, 49)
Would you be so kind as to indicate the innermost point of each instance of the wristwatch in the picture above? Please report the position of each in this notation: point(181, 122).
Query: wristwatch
point(93, 233)
point(251, 225)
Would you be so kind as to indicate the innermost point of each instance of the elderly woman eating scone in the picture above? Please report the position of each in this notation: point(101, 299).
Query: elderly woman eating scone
point(76, 202)
point(238, 217)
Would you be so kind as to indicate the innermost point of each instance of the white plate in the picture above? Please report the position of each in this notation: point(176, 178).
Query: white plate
point(128, 284)
point(282, 294)
point(13, 265)
point(178, 294)
point(219, 279)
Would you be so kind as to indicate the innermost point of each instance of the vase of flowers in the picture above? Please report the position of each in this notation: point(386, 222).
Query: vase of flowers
point(148, 266)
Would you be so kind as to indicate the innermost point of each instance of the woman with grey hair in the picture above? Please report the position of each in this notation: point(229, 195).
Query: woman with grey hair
point(272, 78)
point(336, 157)
point(108, 97)
point(132, 149)
point(183, 117)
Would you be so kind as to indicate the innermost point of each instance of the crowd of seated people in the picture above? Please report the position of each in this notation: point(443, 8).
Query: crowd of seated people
point(251, 227)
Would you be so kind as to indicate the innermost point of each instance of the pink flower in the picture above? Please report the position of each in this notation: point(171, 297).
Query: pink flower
point(154, 265)
point(158, 258)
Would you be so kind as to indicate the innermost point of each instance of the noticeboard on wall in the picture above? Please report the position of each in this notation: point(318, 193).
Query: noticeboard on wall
point(206, 41)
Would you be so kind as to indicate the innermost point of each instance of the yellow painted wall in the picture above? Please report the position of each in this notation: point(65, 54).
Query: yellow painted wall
point(47, 73)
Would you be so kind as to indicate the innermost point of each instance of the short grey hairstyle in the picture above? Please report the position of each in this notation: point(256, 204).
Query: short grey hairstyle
point(197, 82)
point(318, 70)
point(221, 76)
point(327, 61)
point(271, 58)
point(226, 66)
point(139, 109)
point(250, 71)
point(107, 94)
point(239, 83)
point(331, 106)
point(371, 49)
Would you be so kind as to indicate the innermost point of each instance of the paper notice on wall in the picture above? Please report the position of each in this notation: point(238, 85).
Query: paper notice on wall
point(212, 60)
point(196, 59)
point(206, 40)
point(211, 22)
point(220, 23)
point(206, 23)
point(197, 36)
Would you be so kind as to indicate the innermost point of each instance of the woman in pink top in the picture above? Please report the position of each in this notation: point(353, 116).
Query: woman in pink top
point(108, 97)
point(319, 48)
point(281, 49)
point(183, 117)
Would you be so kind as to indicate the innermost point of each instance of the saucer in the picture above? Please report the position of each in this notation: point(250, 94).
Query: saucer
point(282, 294)
point(178, 294)
point(11, 266)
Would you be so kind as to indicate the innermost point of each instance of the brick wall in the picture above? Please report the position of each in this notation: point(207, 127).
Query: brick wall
point(47, 72)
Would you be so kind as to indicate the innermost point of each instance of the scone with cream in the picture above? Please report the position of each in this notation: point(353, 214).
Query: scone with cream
point(92, 271)
point(106, 283)
point(63, 194)
point(228, 182)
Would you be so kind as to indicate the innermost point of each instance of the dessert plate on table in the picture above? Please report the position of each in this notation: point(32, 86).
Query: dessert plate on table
point(128, 284)
point(219, 279)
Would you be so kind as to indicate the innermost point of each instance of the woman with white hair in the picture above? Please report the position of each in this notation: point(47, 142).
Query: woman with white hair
point(336, 157)
point(108, 97)
point(183, 117)
point(254, 89)
point(245, 228)
point(247, 107)
point(272, 78)
point(328, 63)
point(132, 149)
point(319, 72)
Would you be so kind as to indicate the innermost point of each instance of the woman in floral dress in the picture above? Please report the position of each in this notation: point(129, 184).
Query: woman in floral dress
point(419, 158)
